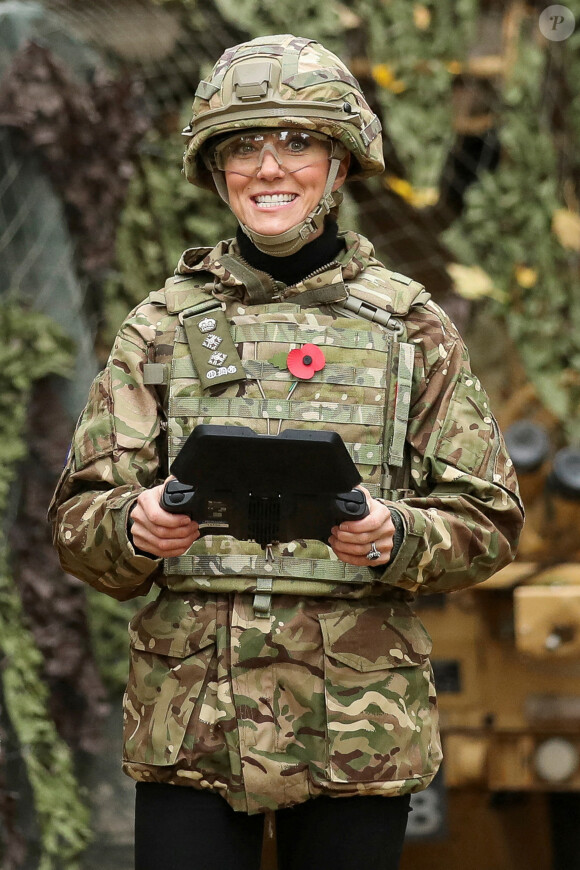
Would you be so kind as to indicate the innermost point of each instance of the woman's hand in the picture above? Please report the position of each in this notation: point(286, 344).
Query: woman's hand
point(352, 540)
point(157, 531)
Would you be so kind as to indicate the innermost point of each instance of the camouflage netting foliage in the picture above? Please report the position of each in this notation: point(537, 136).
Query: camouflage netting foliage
point(481, 194)
point(79, 134)
point(521, 222)
point(163, 215)
point(32, 348)
point(85, 134)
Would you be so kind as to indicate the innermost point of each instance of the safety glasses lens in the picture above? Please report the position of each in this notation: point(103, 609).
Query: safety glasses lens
point(292, 149)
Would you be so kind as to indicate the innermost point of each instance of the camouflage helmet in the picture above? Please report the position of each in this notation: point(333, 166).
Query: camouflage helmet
point(283, 81)
point(280, 82)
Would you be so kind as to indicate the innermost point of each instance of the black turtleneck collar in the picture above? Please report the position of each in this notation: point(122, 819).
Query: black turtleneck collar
point(292, 269)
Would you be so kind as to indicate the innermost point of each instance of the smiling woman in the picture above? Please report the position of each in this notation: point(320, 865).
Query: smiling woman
point(292, 677)
point(272, 188)
point(290, 173)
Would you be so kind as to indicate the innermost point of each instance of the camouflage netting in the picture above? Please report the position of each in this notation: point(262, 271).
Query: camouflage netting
point(94, 213)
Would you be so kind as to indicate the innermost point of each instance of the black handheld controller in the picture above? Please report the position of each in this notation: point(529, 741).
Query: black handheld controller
point(264, 518)
point(265, 488)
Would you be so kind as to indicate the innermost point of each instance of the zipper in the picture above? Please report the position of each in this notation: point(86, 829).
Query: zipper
point(273, 284)
point(319, 271)
point(278, 288)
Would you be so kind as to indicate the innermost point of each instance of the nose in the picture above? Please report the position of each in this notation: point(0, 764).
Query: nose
point(270, 166)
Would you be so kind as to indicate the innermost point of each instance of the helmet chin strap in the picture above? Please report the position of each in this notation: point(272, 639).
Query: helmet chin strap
point(284, 244)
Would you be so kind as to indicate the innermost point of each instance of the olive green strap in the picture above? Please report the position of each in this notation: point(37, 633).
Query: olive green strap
point(263, 597)
point(259, 293)
point(273, 409)
point(325, 295)
point(402, 402)
point(252, 566)
point(210, 342)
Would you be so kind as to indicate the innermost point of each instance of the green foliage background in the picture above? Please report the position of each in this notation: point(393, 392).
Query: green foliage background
point(508, 224)
point(33, 347)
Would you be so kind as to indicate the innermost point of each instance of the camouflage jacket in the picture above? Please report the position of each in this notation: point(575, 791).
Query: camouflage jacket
point(328, 694)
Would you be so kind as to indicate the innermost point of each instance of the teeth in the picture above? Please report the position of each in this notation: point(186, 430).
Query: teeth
point(272, 200)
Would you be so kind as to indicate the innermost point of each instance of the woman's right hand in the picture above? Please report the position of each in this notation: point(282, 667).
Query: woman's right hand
point(158, 532)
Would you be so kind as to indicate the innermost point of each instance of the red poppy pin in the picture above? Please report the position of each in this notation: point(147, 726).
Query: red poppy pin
point(304, 361)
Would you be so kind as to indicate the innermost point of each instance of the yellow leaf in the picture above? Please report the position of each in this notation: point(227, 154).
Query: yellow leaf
point(400, 186)
point(472, 282)
point(423, 196)
point(385, 78)
point(419, 197)
point(421, 16)
point(526, 276)
point(566, 228)
point(349, 19)
point(455, 67)
point(398, 86)
point(383, 74)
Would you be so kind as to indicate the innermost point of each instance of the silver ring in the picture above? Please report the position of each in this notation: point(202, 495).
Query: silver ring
point(373, 553)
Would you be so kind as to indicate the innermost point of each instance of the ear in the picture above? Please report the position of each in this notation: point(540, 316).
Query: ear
point(342, 172)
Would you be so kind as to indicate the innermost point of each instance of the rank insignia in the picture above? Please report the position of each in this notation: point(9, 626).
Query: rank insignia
point(208, 324)
point(212, 342)
point(210, 331)
point(217, 359)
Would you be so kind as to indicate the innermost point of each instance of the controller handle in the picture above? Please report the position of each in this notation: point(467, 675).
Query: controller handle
point(177, 497)
point(351, 505)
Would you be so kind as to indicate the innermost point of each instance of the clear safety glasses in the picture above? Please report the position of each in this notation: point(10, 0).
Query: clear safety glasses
point(292, 149)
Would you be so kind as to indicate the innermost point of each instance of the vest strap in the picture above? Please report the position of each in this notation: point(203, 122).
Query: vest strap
point(402, 402)
point(154, 373)
point(221, 568)
point(210, 342)
point(263, 597)
point(353, 307)
point(274, 409)
point(334, 373)
point(259, 292)
point(326, 295)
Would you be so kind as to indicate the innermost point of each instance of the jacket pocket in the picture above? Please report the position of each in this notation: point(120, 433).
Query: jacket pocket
point(172, 647)
point(379, 695)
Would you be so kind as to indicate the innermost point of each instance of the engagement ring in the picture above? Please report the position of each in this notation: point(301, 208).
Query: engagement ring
point(373, 553)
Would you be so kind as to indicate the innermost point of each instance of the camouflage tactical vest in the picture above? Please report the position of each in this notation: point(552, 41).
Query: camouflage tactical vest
point(363, 393)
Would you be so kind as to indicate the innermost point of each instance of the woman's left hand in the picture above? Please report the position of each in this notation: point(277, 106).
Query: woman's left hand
point(352, 540)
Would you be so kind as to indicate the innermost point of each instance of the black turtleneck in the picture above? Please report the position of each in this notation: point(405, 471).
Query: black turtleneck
point(292, 269)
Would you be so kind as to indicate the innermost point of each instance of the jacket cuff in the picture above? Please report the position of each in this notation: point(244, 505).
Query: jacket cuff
point(399, 536)
point(405, 543)
point(123, 526)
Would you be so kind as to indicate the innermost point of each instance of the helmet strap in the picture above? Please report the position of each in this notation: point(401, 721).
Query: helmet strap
point(284, 244)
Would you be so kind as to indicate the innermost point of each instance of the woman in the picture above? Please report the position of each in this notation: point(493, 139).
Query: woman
point(286, 678)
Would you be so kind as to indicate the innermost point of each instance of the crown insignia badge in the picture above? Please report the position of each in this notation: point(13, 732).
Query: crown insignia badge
point(207, 324)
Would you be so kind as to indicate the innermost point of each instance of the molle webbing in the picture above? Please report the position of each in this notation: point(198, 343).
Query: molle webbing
point(404, 382)
point(263, 370)
point(362, 454)
point(299, 334)
point(274, 409)
point(363, 391)
point(283, 567)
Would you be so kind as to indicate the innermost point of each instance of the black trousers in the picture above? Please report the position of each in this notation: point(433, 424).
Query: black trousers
point(181, 828)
